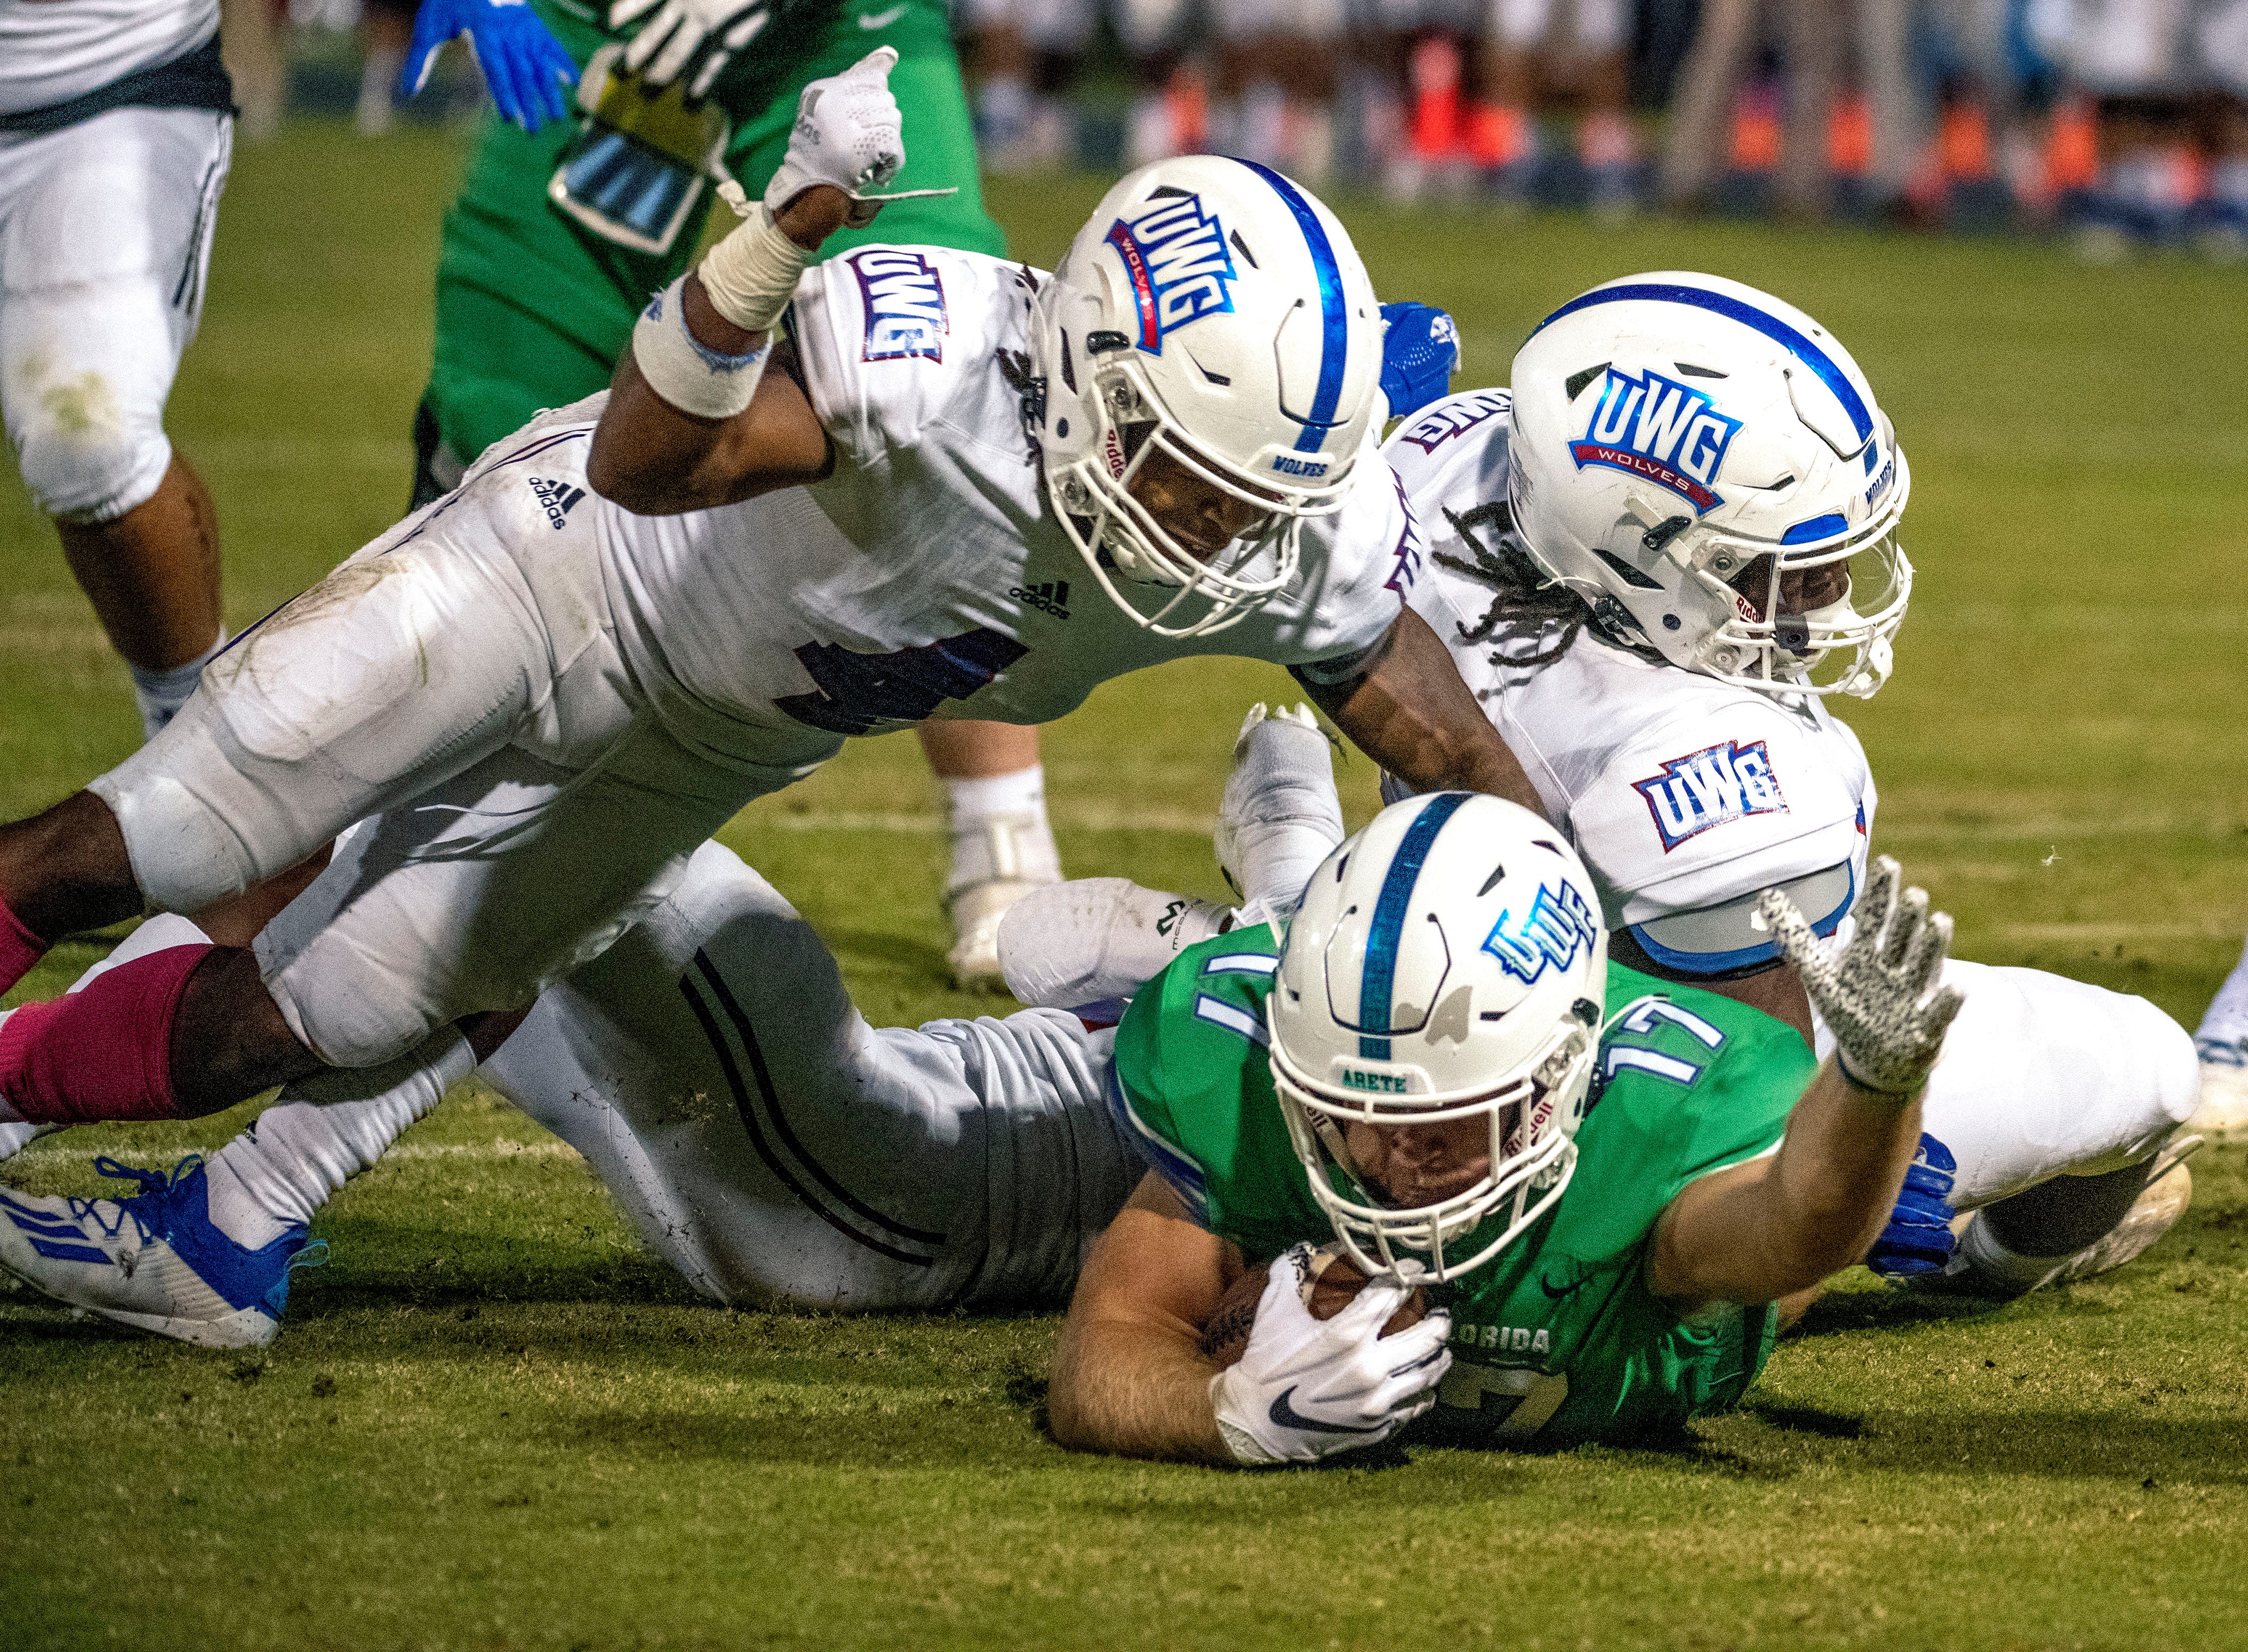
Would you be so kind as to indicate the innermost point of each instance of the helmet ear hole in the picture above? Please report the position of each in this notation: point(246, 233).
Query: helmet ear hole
point(1068, 368)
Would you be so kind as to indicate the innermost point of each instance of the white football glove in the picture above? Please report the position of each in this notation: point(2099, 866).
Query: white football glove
point(1880, 995)
point(1279, 816)
point(1090, 939)
point(1306, 1389)
point(694, 36)
point(848, 132)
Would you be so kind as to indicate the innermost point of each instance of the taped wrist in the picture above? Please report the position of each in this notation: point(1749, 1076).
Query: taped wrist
point(751, 276)
point(683, 370)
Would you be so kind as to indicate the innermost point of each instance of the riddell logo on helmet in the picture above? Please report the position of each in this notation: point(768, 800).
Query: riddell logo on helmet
point(1176, 256)
point(1653, 427)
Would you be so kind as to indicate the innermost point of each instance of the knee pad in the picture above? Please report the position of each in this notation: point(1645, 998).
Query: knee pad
point(85, 455)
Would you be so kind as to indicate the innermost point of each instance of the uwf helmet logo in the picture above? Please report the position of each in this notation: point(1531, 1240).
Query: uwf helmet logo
point(1707, 788)
point(1176, 257)
point(904, 302)
point(1656, 427)
point(1559, 925)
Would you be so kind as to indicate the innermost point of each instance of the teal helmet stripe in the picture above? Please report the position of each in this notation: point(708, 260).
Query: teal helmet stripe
point(1379, 979)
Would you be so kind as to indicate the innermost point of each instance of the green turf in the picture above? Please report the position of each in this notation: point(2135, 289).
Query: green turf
point(493, 1422)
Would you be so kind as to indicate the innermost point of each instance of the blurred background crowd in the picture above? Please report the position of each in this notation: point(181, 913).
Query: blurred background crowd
point(2121, 125)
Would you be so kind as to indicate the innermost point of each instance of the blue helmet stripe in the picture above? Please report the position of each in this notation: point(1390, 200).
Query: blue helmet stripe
point(1388, 925)
point(1829, 371)
point(1334, 310)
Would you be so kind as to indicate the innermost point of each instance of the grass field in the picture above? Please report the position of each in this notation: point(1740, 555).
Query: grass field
point(494, 1421)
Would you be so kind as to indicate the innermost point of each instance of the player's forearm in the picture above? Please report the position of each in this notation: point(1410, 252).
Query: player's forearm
point(1133, 1390)
point(661, 451)
point(1413, 715)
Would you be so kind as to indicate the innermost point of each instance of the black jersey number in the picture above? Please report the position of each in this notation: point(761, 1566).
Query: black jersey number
point(1523, 1400)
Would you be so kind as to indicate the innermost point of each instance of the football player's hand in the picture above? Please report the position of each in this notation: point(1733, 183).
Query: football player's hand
point(1420, 352)
point(1304, 1389)
point(524, 65)
point(694, 37)
point(1279, 816)
point(848, 132)
point(1881, 995)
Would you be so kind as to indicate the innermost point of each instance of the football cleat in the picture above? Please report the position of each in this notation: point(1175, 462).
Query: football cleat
point(2154, 1212)
point(1279, 816)
point(152, 1260)
point(1010, 856)
point(2222, 1114)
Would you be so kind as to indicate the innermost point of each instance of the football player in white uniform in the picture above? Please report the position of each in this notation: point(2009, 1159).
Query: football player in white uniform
point(1653, 559)
point(755, 1131)
point(964, 489)
point(116, 126)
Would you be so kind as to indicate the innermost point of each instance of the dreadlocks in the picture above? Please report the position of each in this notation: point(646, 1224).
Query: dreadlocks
point(1526, 607)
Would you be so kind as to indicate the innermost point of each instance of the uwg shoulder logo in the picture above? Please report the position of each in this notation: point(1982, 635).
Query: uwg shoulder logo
point(1707, 788)
point(556, 499)
point(905, 304)
point(1656, 427)
point(1176, 256)
point(1559, 925)
point(1456, 417)
point(1049, 596)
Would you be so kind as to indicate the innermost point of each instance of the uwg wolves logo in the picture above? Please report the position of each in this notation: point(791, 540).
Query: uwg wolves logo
point(1174, 254)
point(1456, 417)
point(1707, 788)
point(1656, 427)
point(905, 304)
point(1557, 926)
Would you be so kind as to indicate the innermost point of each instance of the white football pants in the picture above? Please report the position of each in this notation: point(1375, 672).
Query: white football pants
point(459, 680)
point(756, 1133)
point(105, 236)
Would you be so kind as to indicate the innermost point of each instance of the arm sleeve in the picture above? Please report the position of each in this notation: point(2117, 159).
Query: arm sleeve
point(1688, 822)
point(884, 335)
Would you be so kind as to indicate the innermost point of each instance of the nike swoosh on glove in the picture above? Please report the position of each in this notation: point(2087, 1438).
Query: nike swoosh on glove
point(1306, 1389)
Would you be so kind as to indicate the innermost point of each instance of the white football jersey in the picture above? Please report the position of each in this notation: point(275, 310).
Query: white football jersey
point(1686, 798)
point(927, 576)
point(53, 51)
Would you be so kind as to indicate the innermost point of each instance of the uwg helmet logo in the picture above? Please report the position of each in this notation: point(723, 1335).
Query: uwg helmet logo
point(1707, 788)
point(1559, 925)
point(1174, 254)
point(905, 304)
point(1656, 427)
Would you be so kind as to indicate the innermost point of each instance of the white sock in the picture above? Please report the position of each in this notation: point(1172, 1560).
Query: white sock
point(160, 693)
point(999, 830)
point(2226, 1021)
point(378, 75)
point(274, 1176)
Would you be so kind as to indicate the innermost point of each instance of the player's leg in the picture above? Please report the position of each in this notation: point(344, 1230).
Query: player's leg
point(108, 226)
point(2222, 1040)
point(1003, 846)
point(772, 1145)
point(2050, 1115)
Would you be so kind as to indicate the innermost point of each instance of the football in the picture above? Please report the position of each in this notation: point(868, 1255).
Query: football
point(1335, 1280)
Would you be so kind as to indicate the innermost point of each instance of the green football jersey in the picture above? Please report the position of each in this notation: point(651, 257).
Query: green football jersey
point(1556, 1340)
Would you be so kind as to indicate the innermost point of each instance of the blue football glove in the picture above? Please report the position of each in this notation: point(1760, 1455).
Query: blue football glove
point(1919, 1238)
point(1420, 352)
point(525, 66)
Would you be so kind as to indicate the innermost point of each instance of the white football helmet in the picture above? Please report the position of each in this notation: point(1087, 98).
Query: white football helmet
point(1449, 962)
point(1682, 446)
point(1215, 313)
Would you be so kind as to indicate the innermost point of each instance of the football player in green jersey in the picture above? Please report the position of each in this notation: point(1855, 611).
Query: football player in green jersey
point(1611, 1187)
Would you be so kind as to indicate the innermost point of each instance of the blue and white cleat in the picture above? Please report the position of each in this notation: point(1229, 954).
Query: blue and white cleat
point(153, 1260)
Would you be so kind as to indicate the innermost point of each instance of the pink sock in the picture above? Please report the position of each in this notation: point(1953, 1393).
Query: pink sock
point(104, 1051)
point(20, 947)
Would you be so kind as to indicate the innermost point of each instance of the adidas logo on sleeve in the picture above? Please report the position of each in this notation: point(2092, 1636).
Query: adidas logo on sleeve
point(1051, 596)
